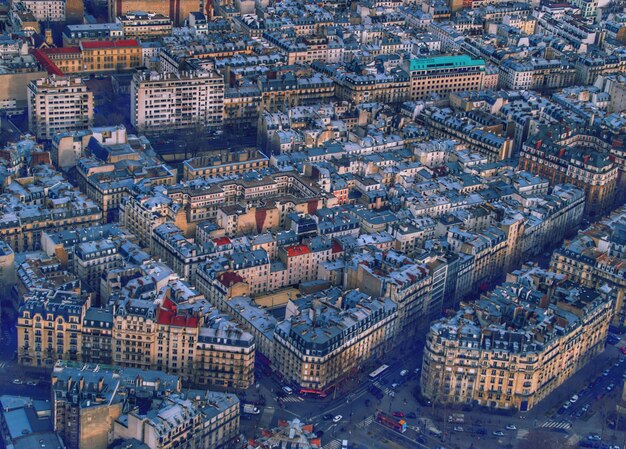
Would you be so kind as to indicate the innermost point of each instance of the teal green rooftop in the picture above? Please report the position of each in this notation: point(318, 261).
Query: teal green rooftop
point(443, 62)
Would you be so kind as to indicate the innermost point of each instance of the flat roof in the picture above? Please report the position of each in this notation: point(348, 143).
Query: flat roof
point(440, 62)
point(276, 299)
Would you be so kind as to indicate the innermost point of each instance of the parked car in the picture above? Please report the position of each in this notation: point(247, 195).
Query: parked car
point(404, 372)
point(511, 427)
point(327, 417)
point(337, 418)
point(573, 399)
point(458, 428)
point(497, 433)
point(398, 414)
point(17, 381)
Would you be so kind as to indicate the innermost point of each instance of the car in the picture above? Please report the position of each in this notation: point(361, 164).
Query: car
point(585, 408)
point(337, 418)
point(623, 349)
point(327, 417)
point(421, 439)
point(573, 399)
point(287, 389)
point(458, 429)
point(398, 414)
point(319, 433)
point(32, 383)
point(567, 405)
point(497, 433)
point(511, 427)
point(594, 437)
point(404, 372)
point(411, 415)
point(580, 413)
point(416, 370)
point(606, 373)
point(17, 382)
point(610, 387)
point(394, 385)
point(560, 411)
point(616, 364)
point(481, 431)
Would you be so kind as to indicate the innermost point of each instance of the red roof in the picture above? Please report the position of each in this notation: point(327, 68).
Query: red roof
point(110, 44)
point(336, 247)
point(222, 241)
point(229, 278)
point(46, 63)
point(61, 51)
point(297, 250)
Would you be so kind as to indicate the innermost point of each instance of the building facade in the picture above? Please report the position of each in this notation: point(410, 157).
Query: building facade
point(514, 359)
point(57, 105)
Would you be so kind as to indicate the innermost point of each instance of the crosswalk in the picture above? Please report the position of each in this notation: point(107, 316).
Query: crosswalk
point(3, 364)
point(366, 422)
point(388, 391)
point(334, 444)
point(552, 424)
point(292, 399)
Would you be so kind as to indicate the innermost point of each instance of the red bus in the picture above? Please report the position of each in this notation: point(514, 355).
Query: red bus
point(313, 393)
point(397, 424)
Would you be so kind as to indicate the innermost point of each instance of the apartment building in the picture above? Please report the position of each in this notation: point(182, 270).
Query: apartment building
point(29, 211)
point(578, 157)
point(58, 104)
point(177, 100)
point(74, 34)
point(209, 419)
point(514, 359)
point(97, 336)
point(444, 74)
point(88, 399)
point(536, 74)
point(595, 257)
point(144, 25)
point(225, 163)
point(44, 10)
point(405, 282)
point(92, 259)
point(330, 336)
point(141, 214)
point(184, 338)
point(49, 328)
point(91, 57)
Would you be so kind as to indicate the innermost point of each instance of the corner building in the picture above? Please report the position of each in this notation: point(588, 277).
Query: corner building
point(513, 347)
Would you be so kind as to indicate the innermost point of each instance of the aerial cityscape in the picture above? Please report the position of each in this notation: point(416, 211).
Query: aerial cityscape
point(312, 224)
